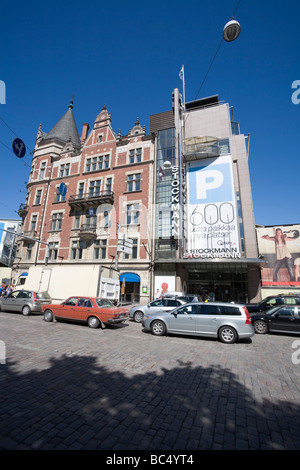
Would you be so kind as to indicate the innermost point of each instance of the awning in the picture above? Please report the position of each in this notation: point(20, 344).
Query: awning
point(23, 274)
point(129, 277)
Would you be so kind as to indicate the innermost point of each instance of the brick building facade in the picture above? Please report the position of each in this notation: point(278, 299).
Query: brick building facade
point(81, 194)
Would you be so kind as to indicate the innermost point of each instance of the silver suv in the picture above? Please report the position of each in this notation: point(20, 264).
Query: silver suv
point(225, 321)
point(25, 301)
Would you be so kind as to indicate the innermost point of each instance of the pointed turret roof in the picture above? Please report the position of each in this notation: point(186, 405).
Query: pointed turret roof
point(65, 129)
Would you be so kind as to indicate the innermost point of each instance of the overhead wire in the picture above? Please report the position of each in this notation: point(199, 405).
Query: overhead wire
point(51, 184)
point(215, 55)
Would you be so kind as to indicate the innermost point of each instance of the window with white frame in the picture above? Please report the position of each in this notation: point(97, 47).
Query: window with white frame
point(134, 254)
point(100, 249)
point(58, 196)
point(132, 214)
point(91, 218)
point(94, 188)
point(134, 182)
point(64, 170)
point(56, 221)
point(53, 250)
point(77, 219)
point(100, 162)
point(80, 190)
point(29, 251)
point(38, 197)
point(108, 185)
point(42, 170)
point(77, 249)
point(33, 222)
point(135, 155)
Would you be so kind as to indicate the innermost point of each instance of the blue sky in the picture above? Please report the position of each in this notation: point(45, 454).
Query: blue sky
point(128, 55)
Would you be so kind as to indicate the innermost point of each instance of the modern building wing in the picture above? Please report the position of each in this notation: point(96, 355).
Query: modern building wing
point(205, 232)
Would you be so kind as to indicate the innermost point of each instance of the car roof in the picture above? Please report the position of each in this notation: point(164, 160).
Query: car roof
point(225, 304)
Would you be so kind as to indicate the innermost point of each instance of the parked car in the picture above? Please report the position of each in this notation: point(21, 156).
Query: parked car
point(91, 310)
point(274, 301)
point(282, 319)
point(137, 313)
point(227, 322)
point(25, 301)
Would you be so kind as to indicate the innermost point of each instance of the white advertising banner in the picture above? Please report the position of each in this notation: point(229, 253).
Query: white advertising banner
point(212, 221)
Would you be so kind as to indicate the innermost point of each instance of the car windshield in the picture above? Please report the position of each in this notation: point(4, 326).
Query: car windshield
point(104, 303)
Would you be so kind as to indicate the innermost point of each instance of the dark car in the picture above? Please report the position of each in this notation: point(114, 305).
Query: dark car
point(274, 301)
point(283, 319)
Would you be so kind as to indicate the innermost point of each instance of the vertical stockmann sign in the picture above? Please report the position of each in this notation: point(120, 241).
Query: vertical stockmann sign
point(211, 212)
point(175, 202)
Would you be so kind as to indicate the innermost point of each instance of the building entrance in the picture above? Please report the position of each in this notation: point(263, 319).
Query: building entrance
point(129, 288)
point(222, 283)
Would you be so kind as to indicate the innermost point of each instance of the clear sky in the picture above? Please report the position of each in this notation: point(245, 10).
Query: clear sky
point(128, 54)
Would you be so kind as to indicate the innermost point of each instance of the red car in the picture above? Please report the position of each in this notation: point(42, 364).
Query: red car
point(91, 310)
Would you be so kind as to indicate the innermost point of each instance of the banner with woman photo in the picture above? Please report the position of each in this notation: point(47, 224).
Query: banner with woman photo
point(280, 247)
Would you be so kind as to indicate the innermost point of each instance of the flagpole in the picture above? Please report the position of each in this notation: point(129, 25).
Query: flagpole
point(181, 75)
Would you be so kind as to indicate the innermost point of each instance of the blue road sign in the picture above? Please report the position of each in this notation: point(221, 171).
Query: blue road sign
point(19, 148)
point(63, 189)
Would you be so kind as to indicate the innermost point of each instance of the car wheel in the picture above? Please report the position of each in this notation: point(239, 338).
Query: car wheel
point(93, 322)
point(138, 316)
point(260, 327)
point(48, 316)
point(158, 328)
point(227, 334)
point(26, 310)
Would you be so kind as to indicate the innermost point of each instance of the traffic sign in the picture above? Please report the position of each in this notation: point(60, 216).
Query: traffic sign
point(124, 244)
point(124, 249)
point(19, 148)
point(122, 239)
point(63, 189)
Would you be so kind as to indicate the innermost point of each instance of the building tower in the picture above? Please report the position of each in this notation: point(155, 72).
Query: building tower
point(205, 231)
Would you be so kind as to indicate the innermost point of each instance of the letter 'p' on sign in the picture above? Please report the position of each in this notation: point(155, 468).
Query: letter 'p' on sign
point(208, 180)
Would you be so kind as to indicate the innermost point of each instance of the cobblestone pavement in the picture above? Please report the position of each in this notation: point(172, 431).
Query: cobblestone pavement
point(66, 386)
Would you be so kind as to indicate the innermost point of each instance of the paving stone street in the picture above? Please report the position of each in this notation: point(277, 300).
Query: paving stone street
point(67, 386)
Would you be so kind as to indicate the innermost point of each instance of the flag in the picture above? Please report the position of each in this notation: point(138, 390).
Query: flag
point(161, 172)
point(181, 73)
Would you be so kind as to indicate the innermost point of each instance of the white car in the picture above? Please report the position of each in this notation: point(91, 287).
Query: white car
point(160, 305)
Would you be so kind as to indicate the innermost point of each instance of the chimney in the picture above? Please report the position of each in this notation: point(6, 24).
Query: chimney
point(85, 130)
